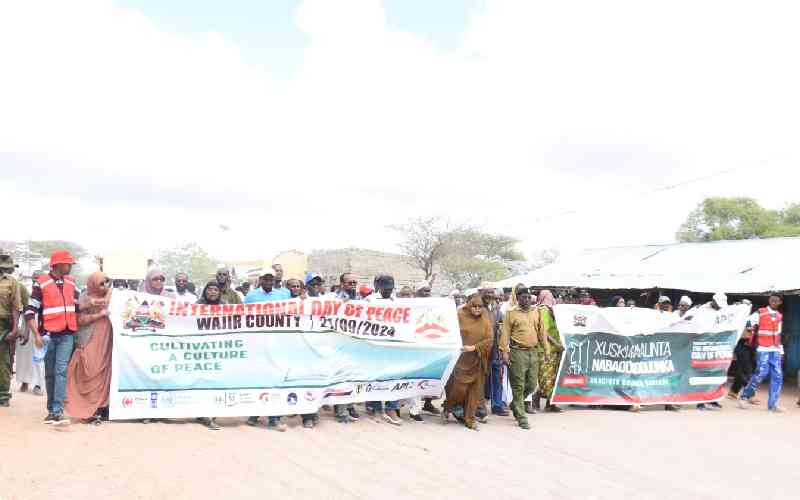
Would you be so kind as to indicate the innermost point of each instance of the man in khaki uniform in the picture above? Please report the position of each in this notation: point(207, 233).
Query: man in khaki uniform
point(10, 308)
point(521, 333)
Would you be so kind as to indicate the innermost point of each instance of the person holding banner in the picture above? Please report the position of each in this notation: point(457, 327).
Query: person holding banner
point(521, 333)
point(548, 367)
point(384, 284)
point(89, 371)
point(347, 291)
point(265, 293)
point(465, 387)
point(211, 296)
point(769, 354)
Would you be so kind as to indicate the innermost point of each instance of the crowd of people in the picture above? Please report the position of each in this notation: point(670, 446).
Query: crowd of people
point(63, 337)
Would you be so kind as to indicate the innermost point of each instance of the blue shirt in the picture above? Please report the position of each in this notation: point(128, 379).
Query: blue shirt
point(259, 295)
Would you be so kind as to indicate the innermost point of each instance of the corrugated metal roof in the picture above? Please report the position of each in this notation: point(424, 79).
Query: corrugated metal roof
point(742, 266)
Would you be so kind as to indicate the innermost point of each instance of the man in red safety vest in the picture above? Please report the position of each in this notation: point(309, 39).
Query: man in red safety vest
point(769, 353)
point(55, 299)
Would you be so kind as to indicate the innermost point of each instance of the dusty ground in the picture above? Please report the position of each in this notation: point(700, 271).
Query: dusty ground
point(578, 454)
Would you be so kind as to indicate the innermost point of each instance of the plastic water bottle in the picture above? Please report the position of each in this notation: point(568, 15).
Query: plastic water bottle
point(39, 353)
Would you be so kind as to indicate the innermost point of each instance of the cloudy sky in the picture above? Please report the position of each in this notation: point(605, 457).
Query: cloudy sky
point(314, 124)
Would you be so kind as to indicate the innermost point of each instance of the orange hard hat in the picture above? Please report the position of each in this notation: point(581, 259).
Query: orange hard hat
point(61, 257)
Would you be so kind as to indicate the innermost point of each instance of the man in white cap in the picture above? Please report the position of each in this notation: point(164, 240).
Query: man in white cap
point(719, 301)
point(684, 305)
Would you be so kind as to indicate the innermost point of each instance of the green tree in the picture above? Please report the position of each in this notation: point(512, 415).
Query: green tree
point(189, 258)
point(737, 219)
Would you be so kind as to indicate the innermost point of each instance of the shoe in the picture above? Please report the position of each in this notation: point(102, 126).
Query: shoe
point(277, 426)
point(537, 402)
point(635, 408)
point(343, 419)
point(715, 406)
point(743, 404)
point(483, 419)
point(733, 395)
point(472, 427)
point(59, 420)
point(529, 409)
point(500, 413)
point(211, 423)
point(252, 421)
point(777, 409)
point(416, 418)
point(397, 411)
point(445, 416)
point(754, 401)
point(352, 413)
point(671, 408)
point(37, 391)
point(308, 424)
point(391, 420)
point(701, 407)
point(23, 387)
point(525, 425)
point(48, 419)
point(428, 407)
point(4, 403)
point(553, 409)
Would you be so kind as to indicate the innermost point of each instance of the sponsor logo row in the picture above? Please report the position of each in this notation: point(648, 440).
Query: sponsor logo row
point(172, 399)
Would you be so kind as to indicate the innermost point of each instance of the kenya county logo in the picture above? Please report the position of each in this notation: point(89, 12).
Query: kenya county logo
point(579, 320)
point(144, 315)
point(430, 324)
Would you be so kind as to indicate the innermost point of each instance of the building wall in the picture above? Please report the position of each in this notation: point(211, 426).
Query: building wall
point(364, 264)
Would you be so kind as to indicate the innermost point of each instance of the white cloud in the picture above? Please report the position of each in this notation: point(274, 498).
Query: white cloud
point(549, 107)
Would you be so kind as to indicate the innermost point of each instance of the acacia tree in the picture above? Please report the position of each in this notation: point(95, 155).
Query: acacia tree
point(465, 254)
point(424, 242)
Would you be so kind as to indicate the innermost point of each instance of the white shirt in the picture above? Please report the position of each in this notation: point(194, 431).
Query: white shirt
point(186, 296)
point(755, 319)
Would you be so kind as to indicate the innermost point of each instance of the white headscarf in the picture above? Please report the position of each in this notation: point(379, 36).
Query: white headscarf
point(686, 300)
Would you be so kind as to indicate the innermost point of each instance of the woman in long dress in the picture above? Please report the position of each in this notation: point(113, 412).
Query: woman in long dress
point(465, 386)
point(89, 371)
point(548, 366)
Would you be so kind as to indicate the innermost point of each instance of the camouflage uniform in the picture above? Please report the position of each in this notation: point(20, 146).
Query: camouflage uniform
point(10, 307)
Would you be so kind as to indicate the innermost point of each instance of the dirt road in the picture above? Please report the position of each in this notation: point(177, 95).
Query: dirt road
point(580, 453)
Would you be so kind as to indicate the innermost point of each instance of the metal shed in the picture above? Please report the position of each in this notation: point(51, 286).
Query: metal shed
point(742, 269)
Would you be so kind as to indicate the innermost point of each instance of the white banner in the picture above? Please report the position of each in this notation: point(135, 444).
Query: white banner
point(173, 359)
